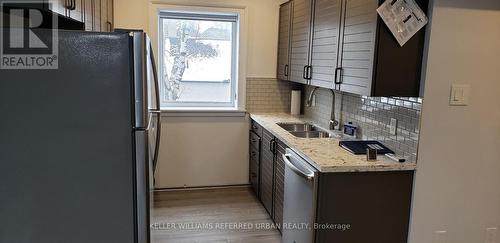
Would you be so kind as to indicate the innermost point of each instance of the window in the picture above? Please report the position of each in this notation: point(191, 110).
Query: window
point(198, 59)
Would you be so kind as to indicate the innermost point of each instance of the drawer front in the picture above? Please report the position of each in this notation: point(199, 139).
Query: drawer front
point(256, 128)
point(254, 140)
point(254, 176)
point(254, 153)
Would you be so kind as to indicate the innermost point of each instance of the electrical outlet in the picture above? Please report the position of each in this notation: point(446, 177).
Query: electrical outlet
point(440, 236)
point(491, 235)
point(393, 126)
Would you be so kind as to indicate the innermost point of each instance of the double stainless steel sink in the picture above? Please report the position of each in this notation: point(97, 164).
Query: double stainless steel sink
point(305, 130)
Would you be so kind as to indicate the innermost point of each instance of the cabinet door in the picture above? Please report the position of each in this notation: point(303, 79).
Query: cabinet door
point(300, 41)
point(97, 15)
point(254, 176)
point(325, 40)
point(284, 40)
point(279, 183)
point(104, 16)
point(266, 171)
point(58, 6)
point(76, 10)
point(358, 46)
point(110, 15)
point(254, 162)
point(88, 14)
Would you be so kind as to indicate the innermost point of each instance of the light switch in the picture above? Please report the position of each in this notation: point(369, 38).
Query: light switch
point(459, 94)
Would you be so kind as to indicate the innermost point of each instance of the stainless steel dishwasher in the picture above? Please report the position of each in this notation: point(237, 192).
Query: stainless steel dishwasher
point(299, 206)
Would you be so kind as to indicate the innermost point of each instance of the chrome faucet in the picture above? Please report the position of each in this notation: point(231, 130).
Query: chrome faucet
point(333, 122)
point(311, 95)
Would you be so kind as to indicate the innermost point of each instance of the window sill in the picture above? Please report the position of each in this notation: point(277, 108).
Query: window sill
point(202, 112)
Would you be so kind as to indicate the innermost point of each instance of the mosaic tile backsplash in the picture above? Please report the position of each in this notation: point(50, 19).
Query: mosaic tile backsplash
point(268, 95)
point(372, 116)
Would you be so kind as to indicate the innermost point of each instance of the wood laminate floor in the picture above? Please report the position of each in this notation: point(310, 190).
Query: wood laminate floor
point(211, 215)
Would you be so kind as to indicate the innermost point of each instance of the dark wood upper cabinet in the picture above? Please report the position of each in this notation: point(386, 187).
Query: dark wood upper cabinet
point(97, 15)
point(344, 45)
point(358, 46)
point(325, 42)
point(110, 13)
point(73, 9)
point(89, 14)
point(300, 40)
point(100, 18)
point(398, 69)
point(106, 15)
point(59, 6)
point(284, 41)
point(76, 10)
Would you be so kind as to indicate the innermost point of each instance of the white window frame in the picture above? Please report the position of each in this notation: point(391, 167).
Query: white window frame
point(227, 16)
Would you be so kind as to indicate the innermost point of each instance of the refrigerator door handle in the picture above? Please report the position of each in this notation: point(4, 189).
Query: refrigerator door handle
point(157, 110)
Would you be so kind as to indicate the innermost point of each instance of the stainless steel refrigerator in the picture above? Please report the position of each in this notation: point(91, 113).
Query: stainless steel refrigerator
point(78, 144)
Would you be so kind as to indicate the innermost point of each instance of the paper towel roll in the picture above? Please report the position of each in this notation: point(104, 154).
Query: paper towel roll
point(295, 105)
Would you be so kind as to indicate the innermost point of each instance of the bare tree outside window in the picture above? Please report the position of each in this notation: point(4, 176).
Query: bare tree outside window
point(197, 58)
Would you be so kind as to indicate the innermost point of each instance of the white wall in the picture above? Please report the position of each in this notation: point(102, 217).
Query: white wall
point(131, 14)
point(203, 151)
point(209, 151)
point(458, 176)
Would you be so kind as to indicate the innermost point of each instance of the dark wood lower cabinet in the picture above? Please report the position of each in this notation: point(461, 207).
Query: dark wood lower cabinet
point(254, 162)
point(268, 168)
point(375, 205)
point(266, 171)
point(279, 183)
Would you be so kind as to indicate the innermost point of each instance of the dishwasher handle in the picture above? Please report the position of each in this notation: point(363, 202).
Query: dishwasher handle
point(307, 175)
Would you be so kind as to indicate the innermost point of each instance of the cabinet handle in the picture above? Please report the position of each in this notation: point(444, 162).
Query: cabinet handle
point(338, 78)
point(109, 26)
point(271, 145)
point(73, 5)
point(309, 72)
point(286, 70)
point(304, 73)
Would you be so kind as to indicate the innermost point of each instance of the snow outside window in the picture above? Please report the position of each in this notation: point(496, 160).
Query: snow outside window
point(198, 59)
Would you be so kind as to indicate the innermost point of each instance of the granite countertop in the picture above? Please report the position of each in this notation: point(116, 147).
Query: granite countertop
point(325, 154)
